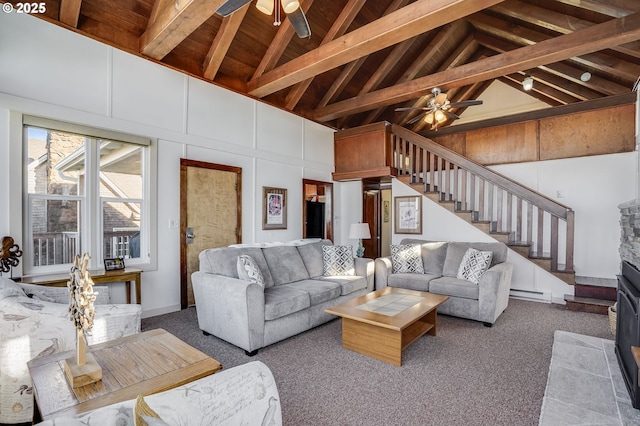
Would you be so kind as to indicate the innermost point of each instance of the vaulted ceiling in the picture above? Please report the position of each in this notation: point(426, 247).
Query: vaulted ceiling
point(364, 58)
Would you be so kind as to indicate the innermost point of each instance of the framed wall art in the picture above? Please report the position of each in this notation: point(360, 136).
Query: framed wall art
point(408, 215)
point(114, 264)
point(274, 208)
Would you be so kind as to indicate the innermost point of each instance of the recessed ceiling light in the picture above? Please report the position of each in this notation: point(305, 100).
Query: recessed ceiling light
point(586, 76)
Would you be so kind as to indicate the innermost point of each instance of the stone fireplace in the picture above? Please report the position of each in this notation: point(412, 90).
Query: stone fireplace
point(628, 301)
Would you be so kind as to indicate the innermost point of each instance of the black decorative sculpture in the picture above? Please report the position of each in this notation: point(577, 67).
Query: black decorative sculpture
point(9, 254)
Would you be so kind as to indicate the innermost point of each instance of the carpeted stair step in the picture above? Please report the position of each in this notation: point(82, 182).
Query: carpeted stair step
point(587, 304)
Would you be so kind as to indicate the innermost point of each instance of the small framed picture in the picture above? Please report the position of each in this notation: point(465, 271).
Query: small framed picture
point(408, 215)
point(274, 209)
point(114, 264)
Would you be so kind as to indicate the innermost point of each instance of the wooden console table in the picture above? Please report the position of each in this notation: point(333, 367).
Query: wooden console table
point(98, 277)
point(142, 363)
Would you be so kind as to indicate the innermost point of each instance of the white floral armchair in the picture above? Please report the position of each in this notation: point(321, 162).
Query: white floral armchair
point(34, 321)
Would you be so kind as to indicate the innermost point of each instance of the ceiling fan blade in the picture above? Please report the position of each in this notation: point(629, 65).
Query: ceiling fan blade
point(441, 99)
point(464, 104)
point(451, 115)
point(299, 23)
point(230, 6)
point(416, 118)
point(412, 108)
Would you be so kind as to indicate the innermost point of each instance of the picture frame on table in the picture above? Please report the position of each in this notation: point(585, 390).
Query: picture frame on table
point(408, 215)
point(114, 264)
point(274, 208)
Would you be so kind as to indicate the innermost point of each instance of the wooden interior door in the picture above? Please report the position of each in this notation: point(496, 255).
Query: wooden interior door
point(316, 191)
point(371, 214)
point(210, 215)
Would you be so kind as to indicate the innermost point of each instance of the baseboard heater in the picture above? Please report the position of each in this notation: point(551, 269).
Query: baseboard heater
point(536, 296)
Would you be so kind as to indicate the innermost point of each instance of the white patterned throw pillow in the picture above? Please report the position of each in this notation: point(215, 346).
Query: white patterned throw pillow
point(406, 258)
point(474, 264)
point(249, 270)
point(337, 260)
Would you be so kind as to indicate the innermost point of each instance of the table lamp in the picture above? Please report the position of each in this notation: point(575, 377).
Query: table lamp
point(359, 231)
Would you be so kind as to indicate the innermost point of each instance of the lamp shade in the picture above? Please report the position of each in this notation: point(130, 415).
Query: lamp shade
point(265, 6)
point(359, 231)
point(290, 5)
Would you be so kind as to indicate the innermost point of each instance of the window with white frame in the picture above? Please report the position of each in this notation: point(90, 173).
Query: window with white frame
point(86, 190)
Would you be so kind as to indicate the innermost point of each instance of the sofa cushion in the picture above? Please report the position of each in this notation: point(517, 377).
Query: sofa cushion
point(285, 264)
point(223, 261)
point(418, 282)
point(474, 263)
point(249, 270)
point(349, 284)
point(338, 261)
point(449, 286)
point(319, 291)
point(312, 256)
point(433, 254)
point(456, 251)
point(282, 300)
point(406, 258)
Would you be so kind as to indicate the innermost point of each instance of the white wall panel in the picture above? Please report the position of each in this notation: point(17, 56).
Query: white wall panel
point(69, 71)
point(349, 199)
point(278, 131)
point(318, 143)
point(217, 113)
point(146, 92)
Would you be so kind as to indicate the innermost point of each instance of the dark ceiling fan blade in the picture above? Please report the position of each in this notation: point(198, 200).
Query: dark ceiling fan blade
point(299, 23)
point(416, 118)
point(230, 6)
point(451, 115)
point(464, 104)
point(412, 108)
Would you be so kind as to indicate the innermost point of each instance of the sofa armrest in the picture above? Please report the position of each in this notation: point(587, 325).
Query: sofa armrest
point(365, 268)
point(230, 308)
point(383, 268)
point(494, 288)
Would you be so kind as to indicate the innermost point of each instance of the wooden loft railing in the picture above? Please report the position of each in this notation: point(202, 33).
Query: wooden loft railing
point(528, 218)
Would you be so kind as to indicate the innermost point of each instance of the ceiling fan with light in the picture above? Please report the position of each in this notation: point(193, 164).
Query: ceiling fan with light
point(437, 110)
point(291, 8)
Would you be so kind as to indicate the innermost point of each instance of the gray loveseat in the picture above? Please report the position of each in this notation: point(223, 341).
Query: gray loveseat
point(483, 302)
point(293, 299)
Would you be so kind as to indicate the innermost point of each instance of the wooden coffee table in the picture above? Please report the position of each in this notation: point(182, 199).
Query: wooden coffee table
point(382, 323)
point(144, 363)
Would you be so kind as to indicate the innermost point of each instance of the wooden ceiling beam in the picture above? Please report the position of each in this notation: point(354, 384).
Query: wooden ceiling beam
point(592, 39)
point(616, 9)
point(383, 69)
point(540, 86)
point(279, 43)
point(222, 41)
point(339, 27)
point(525, 37)
point(555, 21)
point(413, 19)
point(560, 69)
point(70, 12)
point(538, 94)
point(173, 24)
point(351, 69)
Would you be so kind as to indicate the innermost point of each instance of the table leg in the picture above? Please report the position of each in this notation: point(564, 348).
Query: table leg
point(128, 285)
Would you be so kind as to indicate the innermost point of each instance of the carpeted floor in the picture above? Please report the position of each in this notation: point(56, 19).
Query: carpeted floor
point(466, 375)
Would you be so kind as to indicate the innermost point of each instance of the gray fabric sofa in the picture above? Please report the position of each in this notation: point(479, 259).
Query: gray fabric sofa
point(483, 302)
point(293, 299)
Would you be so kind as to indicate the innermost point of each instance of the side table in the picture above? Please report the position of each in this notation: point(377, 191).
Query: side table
point(99, 277)
point(141, 364)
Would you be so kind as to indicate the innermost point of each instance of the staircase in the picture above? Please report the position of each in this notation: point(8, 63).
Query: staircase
point(593, 295)
point(530, 223)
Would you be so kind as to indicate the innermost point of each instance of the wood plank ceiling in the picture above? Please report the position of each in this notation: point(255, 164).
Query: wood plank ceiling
point(365, 58)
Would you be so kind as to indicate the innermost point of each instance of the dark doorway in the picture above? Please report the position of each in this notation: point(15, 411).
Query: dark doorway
point(315, 219)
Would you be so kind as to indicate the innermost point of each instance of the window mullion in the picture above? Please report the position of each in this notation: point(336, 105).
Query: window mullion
point(92, 219)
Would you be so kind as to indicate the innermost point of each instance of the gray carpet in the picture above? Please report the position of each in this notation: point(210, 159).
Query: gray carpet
point(466, 375)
